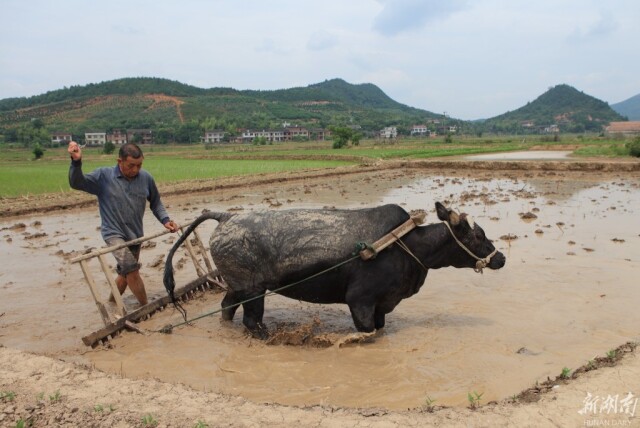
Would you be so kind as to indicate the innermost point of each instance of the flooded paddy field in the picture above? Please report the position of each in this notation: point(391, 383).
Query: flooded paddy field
point(567, 293)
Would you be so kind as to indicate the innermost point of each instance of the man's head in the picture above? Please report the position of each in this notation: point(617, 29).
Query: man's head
point(130, 159)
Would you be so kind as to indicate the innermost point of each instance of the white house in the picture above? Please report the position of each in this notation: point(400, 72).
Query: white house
point(214, 136)
point(249, 135)
point(61, 138)
point(389, 132)
point(420, 130)
point(95, 138)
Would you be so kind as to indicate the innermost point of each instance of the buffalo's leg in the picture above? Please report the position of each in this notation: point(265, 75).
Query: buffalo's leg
point(379, 319)
point(228, 311)
point(363, 317)
point(252, 319)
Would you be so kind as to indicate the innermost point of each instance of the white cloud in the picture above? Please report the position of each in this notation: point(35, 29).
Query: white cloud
point(399, 16)
point(603, 26)
point(471, 59)
point(322, 40)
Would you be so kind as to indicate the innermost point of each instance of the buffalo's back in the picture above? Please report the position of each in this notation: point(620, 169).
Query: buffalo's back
point(264, 247)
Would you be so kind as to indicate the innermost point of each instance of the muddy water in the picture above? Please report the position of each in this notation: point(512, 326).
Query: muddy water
point(567, 293)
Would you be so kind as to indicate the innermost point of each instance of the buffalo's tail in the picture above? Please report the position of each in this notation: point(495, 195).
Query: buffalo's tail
point(169, 281)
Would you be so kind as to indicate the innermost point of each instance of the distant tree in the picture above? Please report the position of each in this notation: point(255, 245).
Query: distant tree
point(634, 147)
point(448, 139)
point(355, 138)
point(341, 136)
point(37, 123)
point(188, 133)
point(260, 141)
point(11, 135)
point(38, 151)
point(163, 136)
point(108, 148)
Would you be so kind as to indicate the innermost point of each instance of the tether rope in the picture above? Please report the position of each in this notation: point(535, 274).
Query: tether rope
point(408, 251)
point(170, 327)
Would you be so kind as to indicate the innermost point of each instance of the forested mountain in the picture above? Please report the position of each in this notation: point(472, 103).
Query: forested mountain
point(182, 112)
point(629, 108)
point(564, 106)
point(160, 103)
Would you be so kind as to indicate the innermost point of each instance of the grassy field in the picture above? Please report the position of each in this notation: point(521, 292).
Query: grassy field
point(21, 175)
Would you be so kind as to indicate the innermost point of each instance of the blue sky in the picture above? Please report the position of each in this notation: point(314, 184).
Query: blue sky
point(470, 59)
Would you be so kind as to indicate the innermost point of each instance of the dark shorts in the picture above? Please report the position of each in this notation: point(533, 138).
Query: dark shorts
point(126, 257)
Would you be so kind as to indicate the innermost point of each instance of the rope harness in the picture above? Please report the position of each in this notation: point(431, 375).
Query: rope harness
point(361, 248)
point(480, 263)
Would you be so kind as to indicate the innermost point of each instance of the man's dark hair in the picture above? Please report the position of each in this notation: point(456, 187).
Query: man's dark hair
point(130, 149)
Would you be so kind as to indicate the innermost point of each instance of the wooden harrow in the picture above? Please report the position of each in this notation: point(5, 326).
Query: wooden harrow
point(208, 278)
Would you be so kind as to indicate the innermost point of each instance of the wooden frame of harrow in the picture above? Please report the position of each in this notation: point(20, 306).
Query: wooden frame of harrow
point(208, 278)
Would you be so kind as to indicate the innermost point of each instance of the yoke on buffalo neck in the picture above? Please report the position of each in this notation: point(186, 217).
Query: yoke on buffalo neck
point(371, 251)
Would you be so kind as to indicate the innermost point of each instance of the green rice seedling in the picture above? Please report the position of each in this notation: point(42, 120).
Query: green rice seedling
point(55, 397)
point(21, 423)
point(611, 354)
point(149, 421)
point(7, 395)
point(201, 424)
point(566, 372)
point(429, 404)
point(474, 399)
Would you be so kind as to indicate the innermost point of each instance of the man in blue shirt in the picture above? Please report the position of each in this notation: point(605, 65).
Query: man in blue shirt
point(123, 192)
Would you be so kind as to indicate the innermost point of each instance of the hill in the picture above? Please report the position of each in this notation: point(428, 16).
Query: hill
point(160, 103)
point(563, 106)
point(629, 108)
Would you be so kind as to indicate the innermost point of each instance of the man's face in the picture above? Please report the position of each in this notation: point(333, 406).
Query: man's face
point(130, 167)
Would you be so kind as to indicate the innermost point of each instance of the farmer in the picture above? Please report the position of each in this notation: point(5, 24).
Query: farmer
point(123, 192)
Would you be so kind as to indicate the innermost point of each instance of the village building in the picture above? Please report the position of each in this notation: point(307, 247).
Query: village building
point(214, 136)
point(248, 135)
point(420, 131)
point(389, 132)
point(95, 138)
point(319, 134)
point(117, 137)
point(58, 138)
point(141, 136)
point(295, 133)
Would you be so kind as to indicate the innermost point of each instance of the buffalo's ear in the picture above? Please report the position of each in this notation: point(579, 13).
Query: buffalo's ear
point(454, 218)
point(447, 215)
point(443, 213)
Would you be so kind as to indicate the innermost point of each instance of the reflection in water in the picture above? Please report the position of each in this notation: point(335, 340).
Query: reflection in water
point(568, 282)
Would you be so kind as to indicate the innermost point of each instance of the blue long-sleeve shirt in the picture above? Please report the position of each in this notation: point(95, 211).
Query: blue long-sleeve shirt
point(122, 202)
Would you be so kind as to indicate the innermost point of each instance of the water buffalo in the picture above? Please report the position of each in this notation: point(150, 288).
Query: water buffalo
point(259, 251)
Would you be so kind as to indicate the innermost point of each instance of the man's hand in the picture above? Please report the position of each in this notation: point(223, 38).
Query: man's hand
point(74, 151)
point(172, 226)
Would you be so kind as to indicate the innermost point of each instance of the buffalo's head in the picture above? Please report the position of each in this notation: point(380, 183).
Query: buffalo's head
point(475, 249)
